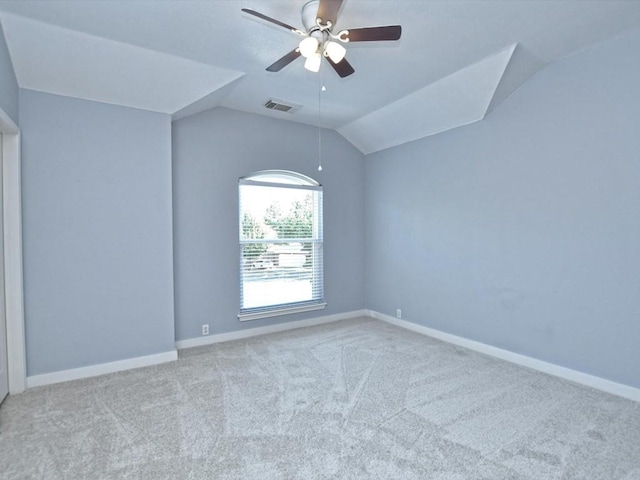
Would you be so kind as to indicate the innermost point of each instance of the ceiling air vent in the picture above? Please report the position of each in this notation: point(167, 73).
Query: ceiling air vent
point(281, 106)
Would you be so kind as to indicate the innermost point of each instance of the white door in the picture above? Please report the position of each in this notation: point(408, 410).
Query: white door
point(4, 378)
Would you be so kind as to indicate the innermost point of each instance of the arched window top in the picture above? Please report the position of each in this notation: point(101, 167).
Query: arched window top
point(280, 176)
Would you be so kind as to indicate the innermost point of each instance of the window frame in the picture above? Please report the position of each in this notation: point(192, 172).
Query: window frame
point(298, 181)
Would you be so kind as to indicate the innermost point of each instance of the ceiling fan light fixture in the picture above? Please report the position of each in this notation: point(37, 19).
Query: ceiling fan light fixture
point(308, 46)
point(313, 62)
point(334, 51)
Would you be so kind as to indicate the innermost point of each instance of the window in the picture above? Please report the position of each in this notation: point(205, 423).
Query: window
point(281, 269)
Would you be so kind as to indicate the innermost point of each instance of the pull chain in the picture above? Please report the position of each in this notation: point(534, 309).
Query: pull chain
point(320, 90)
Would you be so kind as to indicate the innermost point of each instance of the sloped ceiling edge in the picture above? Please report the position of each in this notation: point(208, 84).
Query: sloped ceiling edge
point(458, 99)
point(57, 60)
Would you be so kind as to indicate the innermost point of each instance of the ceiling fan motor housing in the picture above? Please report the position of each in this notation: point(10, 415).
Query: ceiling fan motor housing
point(309, 15)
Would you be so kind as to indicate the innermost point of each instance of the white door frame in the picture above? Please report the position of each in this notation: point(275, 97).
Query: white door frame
point(16, 353)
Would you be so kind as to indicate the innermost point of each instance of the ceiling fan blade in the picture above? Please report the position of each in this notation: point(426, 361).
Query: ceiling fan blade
point(272, 20)
point(373, 34)
point(284, 61)
point(328, 11)
point(342, 68)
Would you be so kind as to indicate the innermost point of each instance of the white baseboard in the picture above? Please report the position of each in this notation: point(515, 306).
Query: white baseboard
point(100, 369)
point(598, 383)
point(128, 364)
point(280, 327)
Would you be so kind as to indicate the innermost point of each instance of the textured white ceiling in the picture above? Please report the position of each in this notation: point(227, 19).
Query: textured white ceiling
point(57, 60)
point(457, 99)
point(183, 57)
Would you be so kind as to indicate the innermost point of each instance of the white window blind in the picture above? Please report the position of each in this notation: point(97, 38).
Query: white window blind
point(281, 265)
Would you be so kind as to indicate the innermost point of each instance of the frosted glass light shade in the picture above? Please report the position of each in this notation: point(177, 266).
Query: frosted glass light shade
point(313, 62)
point(335, 51)
point(308, 46)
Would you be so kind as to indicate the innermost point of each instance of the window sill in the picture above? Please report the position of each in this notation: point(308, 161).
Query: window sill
point(243, 317)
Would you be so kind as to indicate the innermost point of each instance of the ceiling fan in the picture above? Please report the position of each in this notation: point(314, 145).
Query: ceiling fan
point(319, 17)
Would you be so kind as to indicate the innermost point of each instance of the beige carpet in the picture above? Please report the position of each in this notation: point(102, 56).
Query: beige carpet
point(356, 399)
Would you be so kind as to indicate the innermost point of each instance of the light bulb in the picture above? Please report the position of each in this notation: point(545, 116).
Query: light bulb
point(313, 62)
point(308, 46)
point(335, 51)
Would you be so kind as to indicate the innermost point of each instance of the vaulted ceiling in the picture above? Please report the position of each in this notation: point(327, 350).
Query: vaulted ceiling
point(455, 62)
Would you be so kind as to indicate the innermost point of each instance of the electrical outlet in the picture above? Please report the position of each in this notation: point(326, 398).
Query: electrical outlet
point(398, 313)
point(205, 329)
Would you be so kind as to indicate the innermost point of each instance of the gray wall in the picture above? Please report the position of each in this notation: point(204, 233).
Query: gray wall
point(523, 231)
point(97, 232)
point(211, 151)
point(8, 83)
